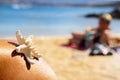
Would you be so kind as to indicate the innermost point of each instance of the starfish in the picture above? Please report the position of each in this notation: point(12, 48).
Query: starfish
point(26, 47)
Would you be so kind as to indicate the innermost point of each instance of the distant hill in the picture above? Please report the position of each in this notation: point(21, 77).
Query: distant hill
point(113, 3)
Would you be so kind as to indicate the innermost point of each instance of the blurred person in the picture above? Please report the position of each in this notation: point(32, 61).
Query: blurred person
point(93, 35)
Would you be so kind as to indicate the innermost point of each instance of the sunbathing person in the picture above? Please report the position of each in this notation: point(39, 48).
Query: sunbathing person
point(101, 32)
point(92, 36)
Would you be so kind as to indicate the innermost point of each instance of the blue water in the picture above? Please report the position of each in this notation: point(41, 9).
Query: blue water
point(49, 21)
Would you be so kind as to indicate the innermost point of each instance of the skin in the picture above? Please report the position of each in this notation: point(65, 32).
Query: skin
point(13, 65)
point(104, 26)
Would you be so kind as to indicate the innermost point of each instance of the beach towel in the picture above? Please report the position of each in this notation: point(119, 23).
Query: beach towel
point(116, 49)
point(72, 47)
point(100, 49)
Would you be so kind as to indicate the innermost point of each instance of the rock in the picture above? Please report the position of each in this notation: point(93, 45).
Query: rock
point(92, 15)
point(115, 14)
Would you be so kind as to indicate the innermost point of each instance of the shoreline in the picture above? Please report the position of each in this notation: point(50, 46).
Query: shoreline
point(41, 37)
point(53, 37)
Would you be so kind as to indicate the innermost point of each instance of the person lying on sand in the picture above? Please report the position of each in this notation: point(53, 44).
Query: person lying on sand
point(101, 33)
point(93, 37)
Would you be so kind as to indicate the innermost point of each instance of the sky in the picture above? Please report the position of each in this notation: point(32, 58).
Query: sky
point(63, 1)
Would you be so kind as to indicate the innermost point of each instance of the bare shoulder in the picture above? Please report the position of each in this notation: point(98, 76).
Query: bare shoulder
point(13, 66)
point(107, 32)
point(88, 29)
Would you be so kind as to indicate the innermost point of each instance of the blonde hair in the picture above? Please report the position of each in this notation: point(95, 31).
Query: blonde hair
point(106, 17)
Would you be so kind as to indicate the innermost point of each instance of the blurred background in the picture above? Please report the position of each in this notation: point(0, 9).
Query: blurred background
point(44, 18)
point(54, 17)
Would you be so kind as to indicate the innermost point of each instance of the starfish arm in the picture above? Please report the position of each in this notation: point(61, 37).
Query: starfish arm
point(30, 60)
point(20, 38)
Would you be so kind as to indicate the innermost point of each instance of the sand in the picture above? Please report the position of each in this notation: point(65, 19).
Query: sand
point(71, 64)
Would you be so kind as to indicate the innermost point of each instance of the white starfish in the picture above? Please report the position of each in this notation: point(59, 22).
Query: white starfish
point(26, 47)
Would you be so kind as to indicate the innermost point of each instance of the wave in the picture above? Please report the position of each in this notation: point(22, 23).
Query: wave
point(20, 6)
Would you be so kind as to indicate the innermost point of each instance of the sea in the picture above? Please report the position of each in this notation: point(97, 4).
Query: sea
point(49, 20)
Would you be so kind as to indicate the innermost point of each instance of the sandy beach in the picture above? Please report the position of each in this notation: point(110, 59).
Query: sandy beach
point(71, 64)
